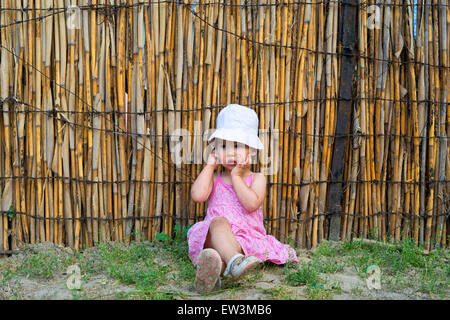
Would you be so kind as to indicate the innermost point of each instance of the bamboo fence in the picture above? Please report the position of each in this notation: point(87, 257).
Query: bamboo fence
point(93, 91)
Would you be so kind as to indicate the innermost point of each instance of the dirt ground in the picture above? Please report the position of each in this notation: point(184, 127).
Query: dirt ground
point(267, 282)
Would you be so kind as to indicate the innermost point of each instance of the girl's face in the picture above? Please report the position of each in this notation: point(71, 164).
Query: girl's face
point(230, 153)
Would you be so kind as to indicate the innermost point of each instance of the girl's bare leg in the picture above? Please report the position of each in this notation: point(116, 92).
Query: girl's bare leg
point(221, 239)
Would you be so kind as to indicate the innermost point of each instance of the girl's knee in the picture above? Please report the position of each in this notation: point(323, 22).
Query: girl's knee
point(219, 222)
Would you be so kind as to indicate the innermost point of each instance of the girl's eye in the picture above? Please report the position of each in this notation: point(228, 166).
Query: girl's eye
point(236, 145)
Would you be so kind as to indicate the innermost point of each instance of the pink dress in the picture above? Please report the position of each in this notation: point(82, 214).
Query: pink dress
point(247, 227)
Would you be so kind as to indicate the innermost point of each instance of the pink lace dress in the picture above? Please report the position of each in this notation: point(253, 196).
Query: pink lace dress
point(247, 227)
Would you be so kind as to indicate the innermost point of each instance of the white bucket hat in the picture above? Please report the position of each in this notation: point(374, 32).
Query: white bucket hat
point(238, 123)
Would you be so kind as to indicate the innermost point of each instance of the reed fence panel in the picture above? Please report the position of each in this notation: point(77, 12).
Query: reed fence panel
point(106, 106)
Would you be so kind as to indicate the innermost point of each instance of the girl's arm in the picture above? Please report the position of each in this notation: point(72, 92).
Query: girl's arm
point(251, 198)
point(203, 185)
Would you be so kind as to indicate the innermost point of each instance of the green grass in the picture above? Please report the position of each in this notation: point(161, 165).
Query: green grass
point(306, 274)
point(403, 266)
point(144, 265)
point(280, 293)
point(148, 265)
point(311, 274)
point(153, 269)
point(325, 249)
point(43, 264)
point(320, 291)
point(178, 249)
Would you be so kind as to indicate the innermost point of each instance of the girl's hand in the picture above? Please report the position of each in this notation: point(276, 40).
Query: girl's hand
point(242, 167)
point(203, 185)
point(212, 160)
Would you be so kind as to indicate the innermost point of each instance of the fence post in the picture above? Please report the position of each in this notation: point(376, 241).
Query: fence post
point(347, 36)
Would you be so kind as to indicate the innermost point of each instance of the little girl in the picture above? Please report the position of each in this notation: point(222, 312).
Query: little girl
point(232, 239)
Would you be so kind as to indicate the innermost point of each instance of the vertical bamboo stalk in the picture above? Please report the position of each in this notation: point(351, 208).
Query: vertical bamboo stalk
point(381, 53)
point(310, 126)
point(57, 163)
point(199, 46)
point(169, 119)
point(421, 43)
point(86, 76)
point(270, 116)
point(77, 151)
point(159, 121)
point(131, 117)
point(364, 124)
point(301, 111)
point(434, 83)
point(261, 93)
point(443, 116)
point(189, 103)
point(110, 188)
point(288, 125)
point(17, 222)
point(285, 56)
point(5, 70)
point(397, 116)
point(27, 91)
point(122, 160)
point(178, 106)
point(148, 163)
point(281, 27)
point(139, 107)
point(353, 175)
point(245, 54)
point(30, 126)
point(98, 67)
point(316, 228)
point(423, 114)
point(326, 149)
point(217, 62)
point(37, 129)
point(235, 56)
point(375, 109)
point(49, 125)
point(373, 188)
point(299, 76)
point(415, 166)
point(403, 141)
point(334, 81)
point(98, 91)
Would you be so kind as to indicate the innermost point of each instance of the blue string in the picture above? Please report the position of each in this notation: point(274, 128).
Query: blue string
point(415, 17)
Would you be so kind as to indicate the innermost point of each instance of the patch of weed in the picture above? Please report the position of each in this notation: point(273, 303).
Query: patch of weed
point(306, 274)
point(325, 249)
point(403, 265)
point(43, 264)
point(177, 249)
point(321, 291)
point(317, 291)
point(280, 293)
point(327, 265)
point(134, 265)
